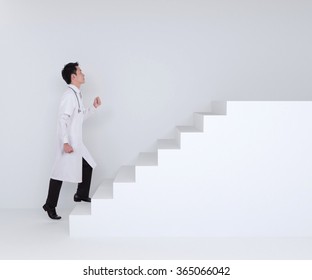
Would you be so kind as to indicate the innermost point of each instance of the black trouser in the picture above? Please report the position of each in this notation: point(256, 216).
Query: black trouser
point(82, 190)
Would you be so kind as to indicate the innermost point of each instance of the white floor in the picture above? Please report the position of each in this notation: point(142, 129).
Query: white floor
point(30, 234)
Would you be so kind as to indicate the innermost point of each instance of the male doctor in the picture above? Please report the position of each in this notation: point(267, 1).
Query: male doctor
point(73, 161)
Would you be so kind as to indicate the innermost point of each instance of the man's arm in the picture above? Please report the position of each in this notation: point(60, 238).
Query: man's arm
point(66, 110)
point(96, 103)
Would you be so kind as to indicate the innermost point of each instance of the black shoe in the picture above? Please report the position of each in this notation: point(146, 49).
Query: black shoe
point(77, 198)
point(51, 212)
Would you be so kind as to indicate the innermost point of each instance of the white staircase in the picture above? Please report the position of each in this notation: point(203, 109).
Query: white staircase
point(245, 169)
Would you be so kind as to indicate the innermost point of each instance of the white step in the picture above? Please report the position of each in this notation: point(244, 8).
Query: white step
point(147, 159)
point(163, 144)
point(104, 191)
point(125, 179)
point(81, 209)
point(186, 134)
point(188, 129)
point(144, 164)
point(103, 194)
point(206, 113)
point(200, 117)
point(167, 149)
point(80, 216)
point(126, 174)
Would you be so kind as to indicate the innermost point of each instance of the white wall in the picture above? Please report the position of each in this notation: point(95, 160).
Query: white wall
point(152, 62)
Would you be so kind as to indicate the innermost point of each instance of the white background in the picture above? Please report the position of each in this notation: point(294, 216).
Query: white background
point(152, 62)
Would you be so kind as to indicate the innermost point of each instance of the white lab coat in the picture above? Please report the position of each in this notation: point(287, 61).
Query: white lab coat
point(68, 166)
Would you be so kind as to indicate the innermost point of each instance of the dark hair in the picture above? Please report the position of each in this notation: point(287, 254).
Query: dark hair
point(68, 70)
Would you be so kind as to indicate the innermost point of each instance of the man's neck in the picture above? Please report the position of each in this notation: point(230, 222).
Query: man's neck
point(75, 88)
point(76, 85)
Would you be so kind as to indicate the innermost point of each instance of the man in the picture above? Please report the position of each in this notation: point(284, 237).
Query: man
point(73, 161)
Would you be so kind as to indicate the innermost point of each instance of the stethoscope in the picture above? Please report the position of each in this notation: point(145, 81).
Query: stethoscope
point(79, 110)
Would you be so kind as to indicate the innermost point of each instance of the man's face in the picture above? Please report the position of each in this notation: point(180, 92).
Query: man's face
point(79, 77)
